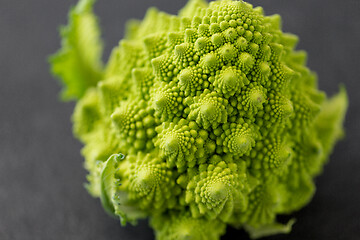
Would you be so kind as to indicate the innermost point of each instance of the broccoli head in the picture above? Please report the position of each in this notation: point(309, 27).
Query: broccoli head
point(199, 120)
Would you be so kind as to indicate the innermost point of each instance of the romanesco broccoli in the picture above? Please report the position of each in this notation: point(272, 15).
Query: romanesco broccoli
point(217, 115)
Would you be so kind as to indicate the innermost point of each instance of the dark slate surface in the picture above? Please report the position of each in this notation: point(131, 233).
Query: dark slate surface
point(41, 173)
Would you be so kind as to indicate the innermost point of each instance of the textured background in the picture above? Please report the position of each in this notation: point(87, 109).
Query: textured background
point(41, 174)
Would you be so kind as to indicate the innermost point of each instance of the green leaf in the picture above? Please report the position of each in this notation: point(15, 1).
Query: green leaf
point(78, 63)
point(269, 229)
point(107, 184)
point(329, 123)
point(114, 201)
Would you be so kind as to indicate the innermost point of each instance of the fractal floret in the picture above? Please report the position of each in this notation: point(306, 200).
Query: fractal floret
point(199, 120)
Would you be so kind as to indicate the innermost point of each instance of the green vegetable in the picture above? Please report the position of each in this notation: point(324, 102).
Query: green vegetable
point(219, 118)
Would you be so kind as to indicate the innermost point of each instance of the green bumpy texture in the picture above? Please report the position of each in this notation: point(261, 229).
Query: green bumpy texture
point(218, 117)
